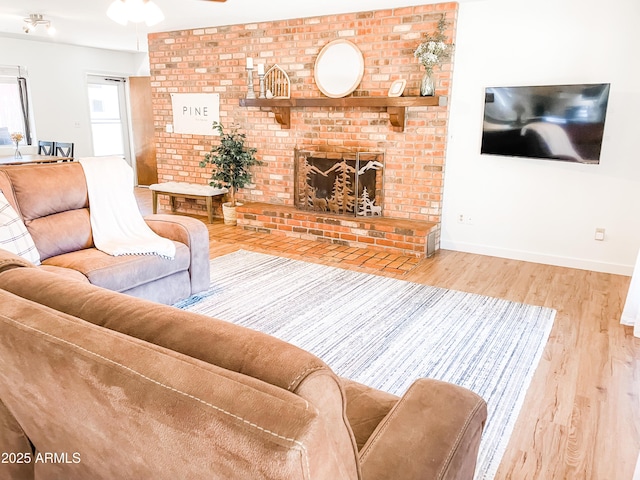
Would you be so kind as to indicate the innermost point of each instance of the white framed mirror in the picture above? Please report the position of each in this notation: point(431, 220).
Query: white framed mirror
point(339, 68)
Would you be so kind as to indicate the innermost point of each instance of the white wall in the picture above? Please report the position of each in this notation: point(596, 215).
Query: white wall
point(57, 78)
point(540, 210)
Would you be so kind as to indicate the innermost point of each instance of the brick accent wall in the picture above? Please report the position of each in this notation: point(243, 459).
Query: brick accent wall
point(213, 60)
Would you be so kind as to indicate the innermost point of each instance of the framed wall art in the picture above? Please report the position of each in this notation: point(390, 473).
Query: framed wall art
point(397, 88)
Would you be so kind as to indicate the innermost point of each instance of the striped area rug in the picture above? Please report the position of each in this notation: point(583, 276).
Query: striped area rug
point(385, 332)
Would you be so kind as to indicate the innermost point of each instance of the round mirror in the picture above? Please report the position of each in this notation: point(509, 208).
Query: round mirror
point(339, 68)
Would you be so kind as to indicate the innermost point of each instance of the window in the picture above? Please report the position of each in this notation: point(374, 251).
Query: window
point(14, 106)
point(109, 124)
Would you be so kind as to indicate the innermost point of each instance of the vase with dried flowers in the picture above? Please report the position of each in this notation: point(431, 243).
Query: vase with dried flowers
point(17, 137)
point(433, 51)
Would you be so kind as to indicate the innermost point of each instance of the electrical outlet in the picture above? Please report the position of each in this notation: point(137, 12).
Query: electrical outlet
point(465, 219)
point(599, 234)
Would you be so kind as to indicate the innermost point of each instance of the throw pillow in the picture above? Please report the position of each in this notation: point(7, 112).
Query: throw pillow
point(14, 236)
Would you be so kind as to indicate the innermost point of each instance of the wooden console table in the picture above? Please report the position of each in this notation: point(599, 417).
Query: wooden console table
point(396, 106)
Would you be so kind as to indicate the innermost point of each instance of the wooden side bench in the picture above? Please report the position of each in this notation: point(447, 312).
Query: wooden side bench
point(186, 190)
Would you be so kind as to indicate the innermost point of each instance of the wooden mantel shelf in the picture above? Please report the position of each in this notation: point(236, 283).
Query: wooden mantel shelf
point(396, 106)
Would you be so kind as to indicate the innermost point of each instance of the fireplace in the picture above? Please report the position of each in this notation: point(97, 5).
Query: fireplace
point(341, 183)
point(339, 199)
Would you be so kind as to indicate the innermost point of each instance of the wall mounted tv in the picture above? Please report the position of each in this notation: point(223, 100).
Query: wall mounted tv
point(555, 122)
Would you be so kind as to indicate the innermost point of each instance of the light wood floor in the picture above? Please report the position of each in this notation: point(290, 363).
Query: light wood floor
point(581, 415)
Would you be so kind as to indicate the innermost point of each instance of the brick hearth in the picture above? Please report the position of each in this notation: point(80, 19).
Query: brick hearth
point(406, 237)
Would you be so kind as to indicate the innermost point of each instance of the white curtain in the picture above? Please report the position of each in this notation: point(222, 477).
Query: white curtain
point(631, 311)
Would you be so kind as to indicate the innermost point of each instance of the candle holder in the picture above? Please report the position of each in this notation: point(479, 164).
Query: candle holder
point(262, 92)
point(250, 92)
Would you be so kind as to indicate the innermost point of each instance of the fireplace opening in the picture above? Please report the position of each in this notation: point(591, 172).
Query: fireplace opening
point(340, 183)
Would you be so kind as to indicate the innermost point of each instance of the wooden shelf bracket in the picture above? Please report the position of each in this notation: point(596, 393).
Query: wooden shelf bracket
point(396, 116)
point(283, 116)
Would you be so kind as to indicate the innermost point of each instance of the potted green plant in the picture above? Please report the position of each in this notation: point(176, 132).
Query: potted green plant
point(231, 160)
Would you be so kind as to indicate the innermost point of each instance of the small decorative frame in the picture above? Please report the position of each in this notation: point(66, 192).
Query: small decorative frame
point(397, 88)
point(277, 83)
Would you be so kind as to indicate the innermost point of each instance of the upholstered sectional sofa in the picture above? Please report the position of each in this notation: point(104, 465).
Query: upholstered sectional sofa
point(98, 384)
point(95, 385)
point(53, 202)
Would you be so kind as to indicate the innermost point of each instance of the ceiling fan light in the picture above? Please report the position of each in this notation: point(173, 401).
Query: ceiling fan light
point(152, 13)
point(135, 11)
point(117, 12)
point(51, 30)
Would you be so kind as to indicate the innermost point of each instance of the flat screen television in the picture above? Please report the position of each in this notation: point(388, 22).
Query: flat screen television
point(555, 122)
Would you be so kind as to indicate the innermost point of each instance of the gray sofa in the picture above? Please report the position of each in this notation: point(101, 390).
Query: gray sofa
point(53, 202)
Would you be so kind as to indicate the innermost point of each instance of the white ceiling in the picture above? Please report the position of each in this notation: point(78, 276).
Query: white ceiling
point(84, 22)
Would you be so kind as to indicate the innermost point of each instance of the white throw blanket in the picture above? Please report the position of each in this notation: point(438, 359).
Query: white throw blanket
point(118, 227)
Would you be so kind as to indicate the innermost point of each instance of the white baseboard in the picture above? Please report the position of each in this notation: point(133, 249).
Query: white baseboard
point(636, 474)
point(534, 257)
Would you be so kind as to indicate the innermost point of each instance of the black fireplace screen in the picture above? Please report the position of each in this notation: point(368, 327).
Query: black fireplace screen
point(340, 183)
